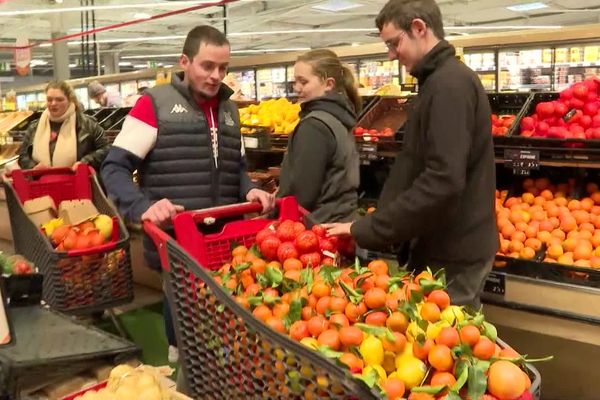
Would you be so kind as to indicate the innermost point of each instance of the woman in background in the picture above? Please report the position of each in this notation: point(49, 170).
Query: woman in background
point(63, 136)
point(321, 166)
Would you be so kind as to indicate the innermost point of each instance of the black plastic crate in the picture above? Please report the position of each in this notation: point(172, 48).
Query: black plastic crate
point(48, 346)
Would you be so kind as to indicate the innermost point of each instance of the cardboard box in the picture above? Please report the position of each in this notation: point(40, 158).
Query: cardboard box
point(40, 210)
point(74, 212)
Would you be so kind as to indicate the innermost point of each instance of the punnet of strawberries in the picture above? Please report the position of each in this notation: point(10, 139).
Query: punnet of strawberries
point(396, 331)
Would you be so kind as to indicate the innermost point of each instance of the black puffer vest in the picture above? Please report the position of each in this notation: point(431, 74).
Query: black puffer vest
point(181, 167)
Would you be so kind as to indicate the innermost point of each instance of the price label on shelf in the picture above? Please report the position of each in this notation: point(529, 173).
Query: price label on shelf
point(521, 161)
point(495, 283)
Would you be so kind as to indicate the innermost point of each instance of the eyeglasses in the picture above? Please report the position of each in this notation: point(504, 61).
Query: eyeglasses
point(392, 44)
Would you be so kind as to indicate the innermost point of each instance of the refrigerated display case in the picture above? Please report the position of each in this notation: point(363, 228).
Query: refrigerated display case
point(484, 64)
point(82, 95)
point(247, 81)
point(271, 82)
point(525, 69)
point(575, 63)
point(373, 74)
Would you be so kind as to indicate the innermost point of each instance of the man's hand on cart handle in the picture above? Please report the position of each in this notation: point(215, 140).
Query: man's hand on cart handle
point(338, 229)
point(161, 212)
point(267, 200)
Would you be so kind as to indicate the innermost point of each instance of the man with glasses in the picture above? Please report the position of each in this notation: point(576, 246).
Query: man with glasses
point(438, 201)
point(184, 140)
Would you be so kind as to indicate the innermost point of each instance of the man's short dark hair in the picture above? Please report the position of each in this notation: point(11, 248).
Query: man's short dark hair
point(401, 13)
point(203, 34)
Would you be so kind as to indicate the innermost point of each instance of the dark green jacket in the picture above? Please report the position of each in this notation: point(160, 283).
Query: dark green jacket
point(92, 144)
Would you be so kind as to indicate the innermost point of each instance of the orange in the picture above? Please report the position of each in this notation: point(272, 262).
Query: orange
point(555, 251)
point(511, 202)
point(397, 322)
point(560, 199)
point(527, 253)
point(239, 251)
point(574, 205)
point(354, 312)
point(568, 224)
point(582, 252)
point(544, 236)
point(382, 281)
point(440, 298)
point(317, 325)
point(534, 243)
point(351, 336)
point(587, 226)
point(546, 194)
point(595, 262)
point(484, 349)
point(262, 312)
point(583, 263)
point(506, 380)
point(280, 310)
point(566, 259)
point(528, 198)
point(430, 312)
point(339, 320)
point(307, 313)
point(374, 298)
point(596, 198)
point(442, 379)
point(378, 267)
point(508, 230)
point(516, 216)
point(581, 217)
point(330, 338)
point(321, 289)
point(539, 201)
point(587, 204)
point(559, 234)
point(440, 358)
point(292, 274)
point(570, 244)
point(394, 388)
point(515, 246)
point(519, 236)
point(421, 351)
point(351, 361)
point(377, 318)
point(448, 336)
point(276, 324)
point(470, 335)
point(292, 263)
point(243, 302)
point(396, 346)
point(521, 226)
point(338, 304)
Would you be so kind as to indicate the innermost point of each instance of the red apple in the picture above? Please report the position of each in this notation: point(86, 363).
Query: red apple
point(591, 109)
point(545, 109)
point(577, 103)
point(543, 127)
point(580, 91)
point(585, 121)
point(560, 109)
point(527, 124)
point(566, 94)
point(596, 121)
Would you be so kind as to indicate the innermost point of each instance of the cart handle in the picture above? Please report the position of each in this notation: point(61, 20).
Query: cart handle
point(160, 239)
point(288, 209)
point(86, 169)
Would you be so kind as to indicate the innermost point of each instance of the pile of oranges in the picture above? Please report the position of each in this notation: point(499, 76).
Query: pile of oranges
point(547, 220)
point(393, 330)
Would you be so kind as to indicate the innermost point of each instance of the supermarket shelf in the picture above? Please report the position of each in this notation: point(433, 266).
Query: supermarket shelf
point(575, 163)
point(558, 299)
point(578, 64)
point(528, 66)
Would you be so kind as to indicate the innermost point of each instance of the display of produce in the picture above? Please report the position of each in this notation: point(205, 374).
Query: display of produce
point(501, 124)
point(127, 383)
point(547, 222)
point(573, 114)
point(15, 265)
point(392, 330)
point(281, 116)
point(86, 235)
point(373, 133)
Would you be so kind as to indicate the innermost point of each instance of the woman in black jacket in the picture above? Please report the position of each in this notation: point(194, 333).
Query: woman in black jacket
point(63, 136)
point(321, 166)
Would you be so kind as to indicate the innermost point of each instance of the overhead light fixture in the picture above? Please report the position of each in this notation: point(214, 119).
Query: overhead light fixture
point(125, 64)
point(355, 44)
point(318, 30)
point(501, 27)
point(336, 5)
point(37, 62)
point(141, 15)
point(151, 56)
point(527, 6)
point(289, 49)
point(105, 7)
point(72, 65)
point(140, 66)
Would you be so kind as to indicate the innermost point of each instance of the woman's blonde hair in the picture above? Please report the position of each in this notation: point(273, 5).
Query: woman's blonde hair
point(67, 90)
point(326, 64)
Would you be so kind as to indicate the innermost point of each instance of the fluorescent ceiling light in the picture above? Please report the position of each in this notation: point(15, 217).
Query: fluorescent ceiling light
point(124, 64)
point(36, 62)
point(151, 56)
point(338, 30)
point(72, 65)
point(336, 5)
point(168, 65)
point(140, 66)
point(106, 7)
point(141, 16)
point(270, 50)
point(502, 27)
point(527, 6)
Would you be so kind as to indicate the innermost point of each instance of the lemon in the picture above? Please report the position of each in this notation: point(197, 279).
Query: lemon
point(452, 314)
point(380, 371)
point(411, 371)
point(371, 350)
point(413, 331)
point(310, 342)
point(433, 330)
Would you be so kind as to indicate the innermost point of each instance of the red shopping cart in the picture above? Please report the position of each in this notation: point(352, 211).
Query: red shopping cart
point(224, 351)
point(75, 281)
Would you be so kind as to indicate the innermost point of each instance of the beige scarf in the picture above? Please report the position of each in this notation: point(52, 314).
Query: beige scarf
point(65, 151)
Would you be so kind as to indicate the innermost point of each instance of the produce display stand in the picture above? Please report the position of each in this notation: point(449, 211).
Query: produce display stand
point(48, 346)
point(77, 281)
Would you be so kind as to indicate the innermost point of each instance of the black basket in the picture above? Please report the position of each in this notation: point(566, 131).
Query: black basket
point(75, 284)
point(228, 354)
point(49, 346)
point(508, 104)
point(258, 139)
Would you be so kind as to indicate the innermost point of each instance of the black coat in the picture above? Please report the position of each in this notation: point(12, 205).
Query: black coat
point(439, 196)
point(92, 144)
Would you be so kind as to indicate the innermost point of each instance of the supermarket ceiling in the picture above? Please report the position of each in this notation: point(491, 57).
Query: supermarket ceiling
point(253, 26)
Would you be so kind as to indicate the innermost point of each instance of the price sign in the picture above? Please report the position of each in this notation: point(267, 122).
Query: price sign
point(521, 161)
point(495, 283)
